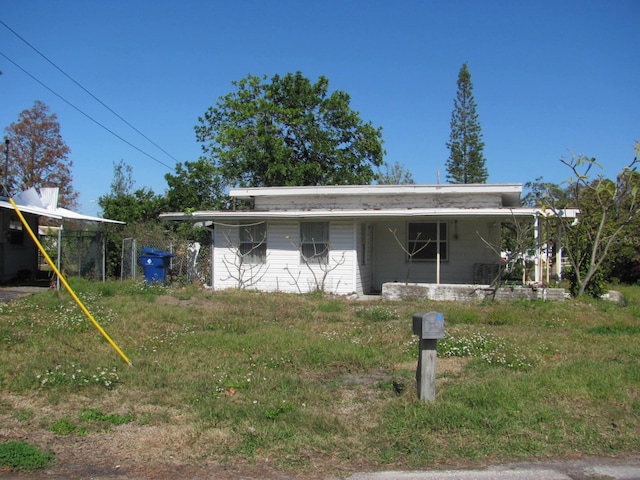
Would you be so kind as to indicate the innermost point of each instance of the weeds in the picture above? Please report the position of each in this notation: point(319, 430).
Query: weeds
point(311, 382)
point(22, 456)
point(489, 348)
point(64, 426)
point(95, 415)
point(377, 313)
point(76, 376)
point(615, 329)
point(89, 419)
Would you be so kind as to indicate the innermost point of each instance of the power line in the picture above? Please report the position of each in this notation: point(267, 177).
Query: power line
point(87, 91)
point(87, 115)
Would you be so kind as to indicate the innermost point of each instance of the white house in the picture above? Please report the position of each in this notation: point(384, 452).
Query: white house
point(354, 239)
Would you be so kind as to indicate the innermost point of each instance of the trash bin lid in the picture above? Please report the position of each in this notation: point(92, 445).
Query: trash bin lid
point(155, 253)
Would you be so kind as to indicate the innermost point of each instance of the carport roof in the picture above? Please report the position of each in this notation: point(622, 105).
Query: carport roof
point(28, 204)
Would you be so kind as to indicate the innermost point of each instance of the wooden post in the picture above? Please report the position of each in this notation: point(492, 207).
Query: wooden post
point(429, 327)
point(426, 372)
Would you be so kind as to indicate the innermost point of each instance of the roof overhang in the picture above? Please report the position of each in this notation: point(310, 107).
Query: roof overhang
point(242, 215)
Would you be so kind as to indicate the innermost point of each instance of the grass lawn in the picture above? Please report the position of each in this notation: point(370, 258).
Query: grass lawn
point(314, 386)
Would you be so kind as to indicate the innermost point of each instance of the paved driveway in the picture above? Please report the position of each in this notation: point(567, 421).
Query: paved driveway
point(11, 293)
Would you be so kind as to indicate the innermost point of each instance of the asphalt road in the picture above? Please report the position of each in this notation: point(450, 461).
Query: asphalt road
point(620, 472)
point(561, 471)
point(584, 469)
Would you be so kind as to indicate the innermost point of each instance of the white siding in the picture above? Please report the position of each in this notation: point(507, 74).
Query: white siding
point(225, 262)
point(284, 269)
point(385, 260)
point(341, 278)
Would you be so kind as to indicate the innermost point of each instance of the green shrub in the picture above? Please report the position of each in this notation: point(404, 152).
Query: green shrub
point(596, 287)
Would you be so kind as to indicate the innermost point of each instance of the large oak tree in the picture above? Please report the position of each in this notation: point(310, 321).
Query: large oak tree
point(289, 131)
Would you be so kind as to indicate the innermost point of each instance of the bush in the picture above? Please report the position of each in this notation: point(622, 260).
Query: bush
point(596, 287)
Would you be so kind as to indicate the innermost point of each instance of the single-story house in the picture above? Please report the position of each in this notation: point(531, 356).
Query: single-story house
point(354, 239)
point(19, 255)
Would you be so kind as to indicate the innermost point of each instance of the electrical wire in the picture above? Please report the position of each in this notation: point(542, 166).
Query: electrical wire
point(87, 91)
point(87, 115)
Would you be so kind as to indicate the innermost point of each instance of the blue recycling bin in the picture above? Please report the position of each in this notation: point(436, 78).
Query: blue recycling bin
point(155, 264)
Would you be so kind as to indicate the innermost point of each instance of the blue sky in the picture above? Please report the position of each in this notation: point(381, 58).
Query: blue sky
point(550, 77)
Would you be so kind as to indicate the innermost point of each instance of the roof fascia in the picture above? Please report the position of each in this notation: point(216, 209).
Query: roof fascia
point(382, 190)
point(222, 215)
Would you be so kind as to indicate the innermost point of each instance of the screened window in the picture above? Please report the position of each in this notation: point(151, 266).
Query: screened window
point(253, 243)
point(314, 242)
point(426, 239)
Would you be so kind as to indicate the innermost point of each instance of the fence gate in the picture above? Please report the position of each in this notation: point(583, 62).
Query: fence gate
point(128, 259)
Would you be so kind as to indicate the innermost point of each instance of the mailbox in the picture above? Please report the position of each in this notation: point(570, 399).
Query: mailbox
point(429, 326)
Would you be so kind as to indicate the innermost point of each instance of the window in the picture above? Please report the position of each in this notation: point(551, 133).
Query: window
point(314, 242)
point(426, 239)
point(253, 243)
point(15, 234)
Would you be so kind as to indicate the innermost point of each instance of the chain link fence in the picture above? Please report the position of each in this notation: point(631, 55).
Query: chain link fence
point(190, 262)
point(77, 253)
point(82, 253)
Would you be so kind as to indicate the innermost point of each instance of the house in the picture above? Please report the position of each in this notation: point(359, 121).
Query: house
point(19, 255)
point(355, 239)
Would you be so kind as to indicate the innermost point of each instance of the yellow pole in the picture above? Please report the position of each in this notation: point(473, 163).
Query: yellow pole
point(66, 285)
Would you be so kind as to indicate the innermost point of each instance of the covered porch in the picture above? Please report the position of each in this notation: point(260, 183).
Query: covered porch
point(463, 247)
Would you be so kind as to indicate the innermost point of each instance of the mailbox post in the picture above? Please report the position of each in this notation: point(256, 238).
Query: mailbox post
point(429, 327)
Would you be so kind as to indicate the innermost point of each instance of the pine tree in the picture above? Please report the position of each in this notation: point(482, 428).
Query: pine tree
point(466, 164)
